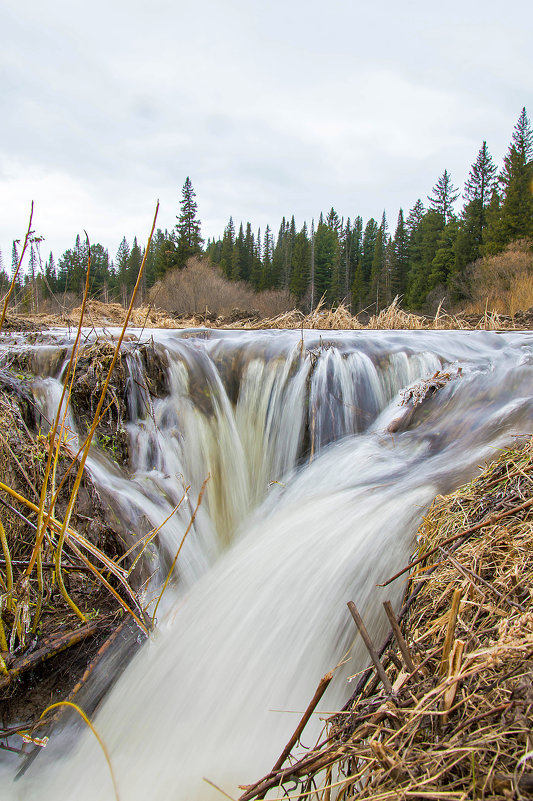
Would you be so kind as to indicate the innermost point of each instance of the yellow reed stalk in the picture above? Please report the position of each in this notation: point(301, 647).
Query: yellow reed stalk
point(36, 557)
point(108, 586)
point(110, 565)
point(81, 466)
point(9, 568)
point(94, 731)
point(173, 565)
point(147, 539)
point(15, 274)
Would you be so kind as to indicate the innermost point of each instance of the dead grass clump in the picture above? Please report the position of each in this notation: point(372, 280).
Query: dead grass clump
point(503, 283)
point(457, 720)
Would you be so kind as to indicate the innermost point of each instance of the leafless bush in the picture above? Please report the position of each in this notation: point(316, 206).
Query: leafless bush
point(503, 283)
point(201, 287)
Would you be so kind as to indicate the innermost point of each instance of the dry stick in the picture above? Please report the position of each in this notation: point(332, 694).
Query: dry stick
point(475, 577)
point(489, 522)
point(370, 646)
point(452, 620)
point(399, 637)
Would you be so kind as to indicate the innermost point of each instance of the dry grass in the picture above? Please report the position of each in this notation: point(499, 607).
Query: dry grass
point(503, 283)
point(458, 724)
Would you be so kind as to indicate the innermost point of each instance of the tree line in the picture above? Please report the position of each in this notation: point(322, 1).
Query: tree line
point(424, 259)
point(361, 264)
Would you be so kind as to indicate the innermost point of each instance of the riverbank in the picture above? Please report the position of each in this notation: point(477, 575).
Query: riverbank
point(393, 317)
point(447, 710)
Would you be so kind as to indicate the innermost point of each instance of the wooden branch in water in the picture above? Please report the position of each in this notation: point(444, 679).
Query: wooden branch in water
point(370, 646)
point(52, 648)
point(320, 690)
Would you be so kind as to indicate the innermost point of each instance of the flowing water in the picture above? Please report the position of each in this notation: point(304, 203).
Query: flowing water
point(310, 503)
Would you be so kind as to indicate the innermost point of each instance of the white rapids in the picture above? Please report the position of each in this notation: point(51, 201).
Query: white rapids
point(311, 503)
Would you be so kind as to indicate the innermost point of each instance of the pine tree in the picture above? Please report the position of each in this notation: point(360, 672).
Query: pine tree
point(189, 238)
point(443, 196)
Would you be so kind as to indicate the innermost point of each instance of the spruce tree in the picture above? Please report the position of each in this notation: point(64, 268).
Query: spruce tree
point(301, 265)
point(400, 257)
point(515, 219)
point(189, 238)
point(443, 196)
point(226, 251)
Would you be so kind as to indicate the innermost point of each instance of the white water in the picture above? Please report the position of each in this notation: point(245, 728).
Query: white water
point(258, 614)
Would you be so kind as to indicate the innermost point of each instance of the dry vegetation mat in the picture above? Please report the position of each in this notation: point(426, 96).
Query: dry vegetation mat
point(446, 709)
point(340, 318)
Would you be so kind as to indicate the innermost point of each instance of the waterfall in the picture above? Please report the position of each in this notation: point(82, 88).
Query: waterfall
point(311, 502)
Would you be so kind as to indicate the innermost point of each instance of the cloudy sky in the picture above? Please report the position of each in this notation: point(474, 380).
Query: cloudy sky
point(273, 108)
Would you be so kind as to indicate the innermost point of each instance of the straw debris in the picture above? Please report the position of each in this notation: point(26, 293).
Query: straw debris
point(458, 722)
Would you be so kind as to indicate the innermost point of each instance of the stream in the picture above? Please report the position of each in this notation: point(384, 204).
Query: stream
point(311, 502)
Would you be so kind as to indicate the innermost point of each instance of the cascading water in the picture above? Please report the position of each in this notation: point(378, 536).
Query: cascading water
point(311, 503)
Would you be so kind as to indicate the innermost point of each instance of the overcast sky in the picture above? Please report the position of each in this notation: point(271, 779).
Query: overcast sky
point(272, 108)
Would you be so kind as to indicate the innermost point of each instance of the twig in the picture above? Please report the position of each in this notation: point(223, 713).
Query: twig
point(399, 637)
point(370, 646)
point(489, 522)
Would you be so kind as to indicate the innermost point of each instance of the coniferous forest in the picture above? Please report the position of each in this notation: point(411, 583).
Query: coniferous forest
point(424, 255)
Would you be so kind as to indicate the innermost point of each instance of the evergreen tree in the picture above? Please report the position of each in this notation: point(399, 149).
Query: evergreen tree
point(257, 267)
point(14, 258)
point(368, 245)
point(400, 257)
point(134, 265)
point(238, 256)
point(226, 251)
point(515, 219)
point(326, 253)
point(121, 267)
point(424, 243)
point(266, 269)
point(443, 263)
point(301, 265)
point(189, 238)
point(415, 216)
point(443, 196)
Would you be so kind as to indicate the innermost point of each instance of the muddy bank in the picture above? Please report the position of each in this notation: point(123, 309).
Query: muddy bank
point(46, 646)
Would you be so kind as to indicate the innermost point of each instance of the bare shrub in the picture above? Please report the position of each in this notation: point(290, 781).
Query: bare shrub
point(503, 283)
point(201, 288)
